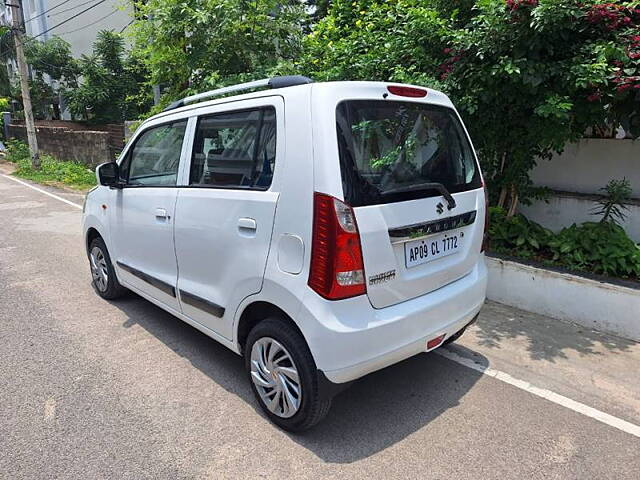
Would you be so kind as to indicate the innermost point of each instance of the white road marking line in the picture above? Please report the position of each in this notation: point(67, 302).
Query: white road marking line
point(556, 398)
point(68, 202)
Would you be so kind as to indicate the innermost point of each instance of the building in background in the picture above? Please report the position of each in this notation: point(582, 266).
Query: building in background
point(76, 21)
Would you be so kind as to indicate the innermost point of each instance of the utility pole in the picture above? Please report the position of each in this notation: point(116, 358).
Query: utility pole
point(23, 73)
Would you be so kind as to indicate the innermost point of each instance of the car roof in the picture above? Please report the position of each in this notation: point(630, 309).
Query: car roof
point(343, 88)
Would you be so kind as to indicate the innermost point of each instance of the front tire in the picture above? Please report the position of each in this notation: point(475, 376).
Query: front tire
point(283, 376)
point(103, 275)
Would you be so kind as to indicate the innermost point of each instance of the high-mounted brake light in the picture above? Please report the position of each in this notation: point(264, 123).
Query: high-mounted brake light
point(407, 91)
point(337, 269)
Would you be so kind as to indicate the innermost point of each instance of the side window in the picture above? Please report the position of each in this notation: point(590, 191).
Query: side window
point(235, 150)
point(154, 158)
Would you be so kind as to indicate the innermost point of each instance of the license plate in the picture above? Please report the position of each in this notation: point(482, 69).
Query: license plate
point(417, 252)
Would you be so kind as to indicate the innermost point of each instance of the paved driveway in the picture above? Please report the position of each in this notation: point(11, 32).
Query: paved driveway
point(96, 389)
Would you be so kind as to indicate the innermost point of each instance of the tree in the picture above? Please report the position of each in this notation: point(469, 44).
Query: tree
point(319, 9)
point(527, 75)
point(53, 57)
point(42, 97)
point(7, 51)
point(397, 40)
point(196, 45)
point(531, 75)
point(113, 86)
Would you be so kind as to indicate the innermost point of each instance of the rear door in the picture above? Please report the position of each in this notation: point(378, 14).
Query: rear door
point(224, 216)
point(410, 173)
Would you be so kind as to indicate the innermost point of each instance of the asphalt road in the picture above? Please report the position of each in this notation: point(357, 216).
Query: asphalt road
point(94, 389)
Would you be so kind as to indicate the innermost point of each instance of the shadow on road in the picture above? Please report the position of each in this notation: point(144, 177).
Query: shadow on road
point(372, 415)
point(546, 338)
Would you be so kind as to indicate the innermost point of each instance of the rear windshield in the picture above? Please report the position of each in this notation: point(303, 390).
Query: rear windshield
point(396, 151)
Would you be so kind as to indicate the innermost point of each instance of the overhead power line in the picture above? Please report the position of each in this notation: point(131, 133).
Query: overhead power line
point(88, 24)
point(69, 19)
point(70, 8)
point(126, 26)
point(47, 11)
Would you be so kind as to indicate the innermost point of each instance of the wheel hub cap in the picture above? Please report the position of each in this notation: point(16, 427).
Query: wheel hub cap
point(99, 270)
point(275, 377)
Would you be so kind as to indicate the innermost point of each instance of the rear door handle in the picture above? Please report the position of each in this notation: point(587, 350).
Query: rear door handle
point(161, 213)
point(247, 224)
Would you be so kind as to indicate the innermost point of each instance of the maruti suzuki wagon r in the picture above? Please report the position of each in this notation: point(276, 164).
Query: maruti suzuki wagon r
point(321, 230)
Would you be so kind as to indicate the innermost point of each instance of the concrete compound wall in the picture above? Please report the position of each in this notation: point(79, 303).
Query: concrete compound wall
point(576, 176)
point(564, 208)
point(73, 141)
point(588, 165)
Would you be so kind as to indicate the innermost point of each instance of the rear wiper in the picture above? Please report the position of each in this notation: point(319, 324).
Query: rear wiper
point(451, 203)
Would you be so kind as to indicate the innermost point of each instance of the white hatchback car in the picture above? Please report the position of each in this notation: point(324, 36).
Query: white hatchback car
point(322, 230)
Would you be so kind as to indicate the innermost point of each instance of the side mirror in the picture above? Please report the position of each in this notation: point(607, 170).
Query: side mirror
point(108, 174)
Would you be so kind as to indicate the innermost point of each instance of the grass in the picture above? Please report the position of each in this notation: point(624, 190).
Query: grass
point(52, 171)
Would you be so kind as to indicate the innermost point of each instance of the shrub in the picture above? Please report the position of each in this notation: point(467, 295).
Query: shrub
point(597, 247)
point(516, 235)
point(613, 205)
point(17, 150)
point(602, 247)
point(52, 171)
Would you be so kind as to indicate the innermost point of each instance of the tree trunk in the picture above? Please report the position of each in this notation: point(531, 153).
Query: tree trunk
point(503, 197)
point(513, 201)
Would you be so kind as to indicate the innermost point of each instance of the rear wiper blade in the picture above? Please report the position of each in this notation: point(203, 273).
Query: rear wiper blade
point(451, 202)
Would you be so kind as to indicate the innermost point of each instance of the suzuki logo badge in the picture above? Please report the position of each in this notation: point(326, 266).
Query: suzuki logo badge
point(440, 208)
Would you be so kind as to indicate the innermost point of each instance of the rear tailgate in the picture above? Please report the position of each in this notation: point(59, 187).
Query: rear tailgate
point(409, 249)
point(409, 171)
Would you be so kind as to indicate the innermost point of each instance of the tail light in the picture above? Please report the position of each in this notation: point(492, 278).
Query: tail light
point(485, 235)
point(337, 269)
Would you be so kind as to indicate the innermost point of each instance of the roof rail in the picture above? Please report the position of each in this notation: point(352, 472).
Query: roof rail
point(275, 82)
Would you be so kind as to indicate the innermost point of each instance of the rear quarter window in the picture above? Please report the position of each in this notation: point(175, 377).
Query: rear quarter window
point(235, 149)
point(390, 151)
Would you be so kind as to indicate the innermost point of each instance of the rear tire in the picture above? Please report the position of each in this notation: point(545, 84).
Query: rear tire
point(103, 275)
point(282, 372)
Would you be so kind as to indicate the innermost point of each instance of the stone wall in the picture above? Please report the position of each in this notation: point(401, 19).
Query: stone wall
point(74, 141)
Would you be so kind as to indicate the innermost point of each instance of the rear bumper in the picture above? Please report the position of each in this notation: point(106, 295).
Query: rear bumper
point(349, 338)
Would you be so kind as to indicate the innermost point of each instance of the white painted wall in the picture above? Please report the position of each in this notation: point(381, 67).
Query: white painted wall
point(588, 165)
point(601, 306)
point(562, 210)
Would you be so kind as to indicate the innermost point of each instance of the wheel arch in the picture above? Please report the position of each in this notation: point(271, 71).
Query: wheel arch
point(254, 313)
point(91, 235)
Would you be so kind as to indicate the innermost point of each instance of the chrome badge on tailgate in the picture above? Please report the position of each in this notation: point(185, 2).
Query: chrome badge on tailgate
point(382, 277)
